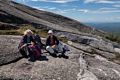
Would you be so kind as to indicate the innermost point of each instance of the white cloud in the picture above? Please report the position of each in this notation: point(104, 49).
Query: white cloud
point(102, 1)
point(105, 11)
point(22, 1)
point(60, 11)
point(83, 10)
point(91, 11)
point(73, 9)
point(99, 11)
point(39, 8)
point(45, 8)
point(118, 18)
point(56, 1)
point(111, 11)
point(107, 8)
point(70, 10)
point(52, 1)
point(89, 1)
point(52, 8)
point(116, 6)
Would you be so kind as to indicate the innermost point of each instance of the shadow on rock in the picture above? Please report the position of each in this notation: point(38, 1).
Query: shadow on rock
point(60, 56)
point(41, 58)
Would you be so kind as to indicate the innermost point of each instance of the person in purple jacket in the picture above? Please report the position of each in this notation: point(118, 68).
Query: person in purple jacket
point(25, 42)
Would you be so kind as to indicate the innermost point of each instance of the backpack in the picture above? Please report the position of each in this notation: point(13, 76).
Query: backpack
point(36, 50)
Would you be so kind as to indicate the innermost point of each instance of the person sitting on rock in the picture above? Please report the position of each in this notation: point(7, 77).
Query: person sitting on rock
point(53, 45)
point(25, 42)
point(37, 38)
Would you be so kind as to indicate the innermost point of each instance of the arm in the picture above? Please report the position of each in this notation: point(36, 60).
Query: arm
point(38, 39)
point(47, 42)
point(56, 40)
point(21, 43)
point(32, 39)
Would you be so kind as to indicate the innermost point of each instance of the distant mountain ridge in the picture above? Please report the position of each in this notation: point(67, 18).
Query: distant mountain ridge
point(113, 27)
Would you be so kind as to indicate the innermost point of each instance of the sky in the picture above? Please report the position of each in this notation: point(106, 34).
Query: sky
point(81, 10)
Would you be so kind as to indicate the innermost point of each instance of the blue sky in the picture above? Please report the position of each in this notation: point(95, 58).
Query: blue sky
point(81, 10)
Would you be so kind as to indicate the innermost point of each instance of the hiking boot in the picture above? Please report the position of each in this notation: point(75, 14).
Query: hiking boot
point(32, 58)
point(64, 56)
point(53, 55)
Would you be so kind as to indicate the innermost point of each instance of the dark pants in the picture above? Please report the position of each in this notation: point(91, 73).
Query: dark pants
point(25, 52)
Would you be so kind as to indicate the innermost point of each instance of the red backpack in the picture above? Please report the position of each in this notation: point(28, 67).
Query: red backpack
point(36, 50)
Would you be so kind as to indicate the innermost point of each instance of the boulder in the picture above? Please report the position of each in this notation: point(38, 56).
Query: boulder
point(84, 74)
point(9, 49)
point(102, 68)
point(94, 50)
point(47, 68)
point(85, 63)
point(102, 45)
point(117, 50)
point(93, 41)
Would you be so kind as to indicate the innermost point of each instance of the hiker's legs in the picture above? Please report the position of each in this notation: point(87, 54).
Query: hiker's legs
point(37, 51)
point(59, 47)
point(24, 51)
point(50, 49)
point(62, 50)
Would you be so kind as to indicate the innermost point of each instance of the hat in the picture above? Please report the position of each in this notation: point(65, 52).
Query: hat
point(50, 31)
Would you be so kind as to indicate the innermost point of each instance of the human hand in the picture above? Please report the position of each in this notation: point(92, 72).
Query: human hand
point(53, 46)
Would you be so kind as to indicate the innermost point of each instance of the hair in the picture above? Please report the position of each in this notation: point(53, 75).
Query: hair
point(28, 31)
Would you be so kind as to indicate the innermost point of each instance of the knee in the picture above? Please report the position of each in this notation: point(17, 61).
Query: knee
point(60, 48)
point(49, 49)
